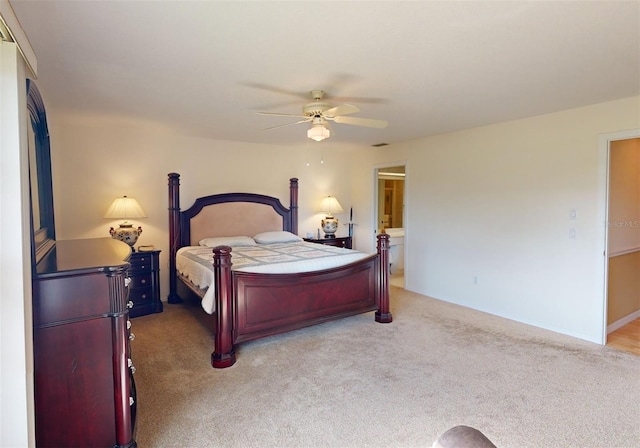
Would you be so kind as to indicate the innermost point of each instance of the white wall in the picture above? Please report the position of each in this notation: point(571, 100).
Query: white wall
point(96, 159)
point(494, 203)
point(16, 343)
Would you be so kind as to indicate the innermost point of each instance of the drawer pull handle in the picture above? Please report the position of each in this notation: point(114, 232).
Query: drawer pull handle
point(127, 281)
point(129, 304)
point(128, 324)
point(132, 337)
point(131, 401)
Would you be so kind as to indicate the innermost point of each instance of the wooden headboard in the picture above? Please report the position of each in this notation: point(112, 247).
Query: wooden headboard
point(226, 214)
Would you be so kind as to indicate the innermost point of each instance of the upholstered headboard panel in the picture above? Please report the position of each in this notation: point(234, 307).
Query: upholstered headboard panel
point(234, 219)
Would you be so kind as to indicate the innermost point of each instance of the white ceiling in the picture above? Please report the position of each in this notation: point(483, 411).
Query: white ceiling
point(204, 68)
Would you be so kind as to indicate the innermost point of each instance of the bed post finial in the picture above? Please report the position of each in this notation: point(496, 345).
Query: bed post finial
point(383, 315)
point(174, 235)
point(293, 204)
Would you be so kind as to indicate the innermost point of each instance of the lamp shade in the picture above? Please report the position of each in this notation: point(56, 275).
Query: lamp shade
point(125, 208)
point(330, 205)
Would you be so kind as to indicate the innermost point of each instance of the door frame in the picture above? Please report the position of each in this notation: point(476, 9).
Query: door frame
point(405, 207)
point(604, 154)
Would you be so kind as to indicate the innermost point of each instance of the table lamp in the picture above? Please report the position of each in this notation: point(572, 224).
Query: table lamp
point(329, 224)
point(125, 208)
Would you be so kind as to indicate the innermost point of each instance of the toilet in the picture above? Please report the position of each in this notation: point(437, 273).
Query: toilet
point(396, 250)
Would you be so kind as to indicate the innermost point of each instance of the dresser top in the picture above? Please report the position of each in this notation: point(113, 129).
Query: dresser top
point(76, 256)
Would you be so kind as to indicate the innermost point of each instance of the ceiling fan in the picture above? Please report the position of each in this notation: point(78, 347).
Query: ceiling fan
point(319, 114)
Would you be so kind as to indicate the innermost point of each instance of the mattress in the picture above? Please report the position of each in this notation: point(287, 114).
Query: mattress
point(195, 263)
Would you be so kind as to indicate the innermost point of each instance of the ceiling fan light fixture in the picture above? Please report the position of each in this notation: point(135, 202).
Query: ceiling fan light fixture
point(318, 114)
point(318, 132)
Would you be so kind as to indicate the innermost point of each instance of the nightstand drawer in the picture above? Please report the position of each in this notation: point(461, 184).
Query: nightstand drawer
point(138, 296)
point(345, 241)
point(337, 242)
point(140, 281)
point(141, 263)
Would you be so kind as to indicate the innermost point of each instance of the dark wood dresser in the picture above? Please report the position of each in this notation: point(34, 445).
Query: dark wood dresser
point(84, 388)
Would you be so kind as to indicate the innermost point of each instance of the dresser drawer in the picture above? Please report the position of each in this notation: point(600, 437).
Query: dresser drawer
point(67, 298)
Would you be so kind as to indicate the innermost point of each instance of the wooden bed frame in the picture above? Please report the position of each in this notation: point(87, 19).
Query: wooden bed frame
point(251, 306)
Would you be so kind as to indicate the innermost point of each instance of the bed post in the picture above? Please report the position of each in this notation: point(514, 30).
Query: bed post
point(223, 354)
point(383, 315)
point(293, 204)
point(174, 235)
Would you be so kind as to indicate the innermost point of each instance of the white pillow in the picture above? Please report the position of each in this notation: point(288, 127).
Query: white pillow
point(279, 236)
point(232, 241)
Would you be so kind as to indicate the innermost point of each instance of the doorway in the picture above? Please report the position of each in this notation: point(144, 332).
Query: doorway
point(389, 212)
point(623, 245)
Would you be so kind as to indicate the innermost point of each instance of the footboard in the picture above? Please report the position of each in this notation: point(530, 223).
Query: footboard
point(252, 306)
point(270, 304)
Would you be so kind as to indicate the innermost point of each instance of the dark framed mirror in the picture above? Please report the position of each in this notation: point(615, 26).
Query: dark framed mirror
point(43, 234)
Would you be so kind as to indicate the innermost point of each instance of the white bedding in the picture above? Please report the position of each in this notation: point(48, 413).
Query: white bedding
point(196, 262)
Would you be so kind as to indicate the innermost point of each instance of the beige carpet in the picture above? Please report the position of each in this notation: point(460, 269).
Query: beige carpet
point(357, 383)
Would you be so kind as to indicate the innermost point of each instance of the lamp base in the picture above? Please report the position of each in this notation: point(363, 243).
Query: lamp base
point(126, 233)
point(329, 226)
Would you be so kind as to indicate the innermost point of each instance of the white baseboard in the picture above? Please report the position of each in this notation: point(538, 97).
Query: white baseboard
point(622, 322)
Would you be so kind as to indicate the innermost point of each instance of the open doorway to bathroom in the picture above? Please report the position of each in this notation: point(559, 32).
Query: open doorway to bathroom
point(390, 215)
point(623, 245)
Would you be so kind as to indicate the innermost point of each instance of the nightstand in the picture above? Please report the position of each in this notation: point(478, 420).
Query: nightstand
point(144, 289)
point(344, 241)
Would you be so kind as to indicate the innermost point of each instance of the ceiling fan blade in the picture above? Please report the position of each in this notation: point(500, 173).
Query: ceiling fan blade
point(276, 114)
point(358, 99)
point(287, 124)
point(343, 109)
point(368, 122)
point(331, 128)
point(275, 89)
point(340, 82)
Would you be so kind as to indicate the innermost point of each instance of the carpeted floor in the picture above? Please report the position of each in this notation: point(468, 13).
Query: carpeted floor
point(357, 383)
